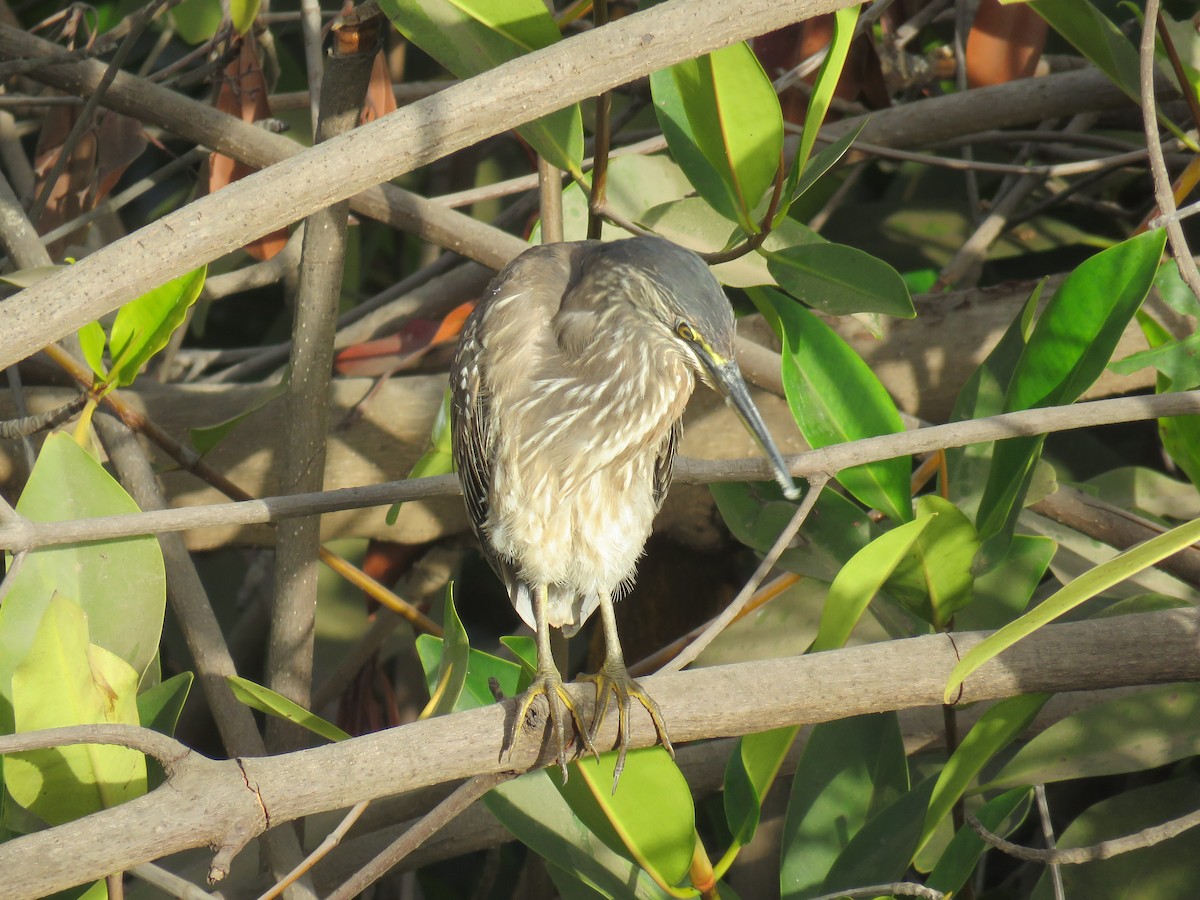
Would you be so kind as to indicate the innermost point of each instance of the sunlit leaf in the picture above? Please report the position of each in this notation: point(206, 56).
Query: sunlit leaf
point(935, 578)
point(144, 325)
point(452, 668)
point(835, 398)
point(472, 36)
point(840, 280)
point(1083, 588)
point(749, 774)
point(65, 680)
point(649, 818)
point(275, 704)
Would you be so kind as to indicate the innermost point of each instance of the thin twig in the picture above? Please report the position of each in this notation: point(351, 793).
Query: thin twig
point(895, 889)
point(816, 483)
point(1047, 835)
point(463, 796)
point(1074, 856)
point(1158, 165)
point(322, 850)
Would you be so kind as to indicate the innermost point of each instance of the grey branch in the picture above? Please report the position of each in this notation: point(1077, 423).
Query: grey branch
point(209, 802)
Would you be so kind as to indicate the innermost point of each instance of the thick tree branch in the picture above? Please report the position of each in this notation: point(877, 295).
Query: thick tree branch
point(218, 802)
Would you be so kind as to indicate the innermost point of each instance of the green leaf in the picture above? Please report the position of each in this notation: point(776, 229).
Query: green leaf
point(959, 859)
point(1178, 360)
point(934, 579)
point(804, 175)
point(756, 512)
point(1154, 727)
point(1003, 592)
point(65, 680)
point(1084, 587)
point(438, 459)
point(144, 326)
point(196, 21)
point(836, 398)
point(1166, 870)
point(860, 580)
point(885, 845)
point(160, 706)
point(91, 342)
point(121, 584)
point(274, 704)
point(1071, 343)
point(995, 730)
point(1154, 492)
point(749, 774)
point(721, 118)
point(472, 36)
point(452, 668)
point(533, 810)
point(205, 438)
point(840, 280)
point(983, 396)
point(243, 13)
point(850, 770)
point(481, 667)
point(830, 73)
point(649, 818)
point(1180, 435)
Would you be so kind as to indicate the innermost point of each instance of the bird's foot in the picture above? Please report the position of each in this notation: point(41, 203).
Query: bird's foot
point(549, 684)
point(613, 678)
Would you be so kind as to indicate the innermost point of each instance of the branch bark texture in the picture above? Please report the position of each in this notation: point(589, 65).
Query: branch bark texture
point(222, 803)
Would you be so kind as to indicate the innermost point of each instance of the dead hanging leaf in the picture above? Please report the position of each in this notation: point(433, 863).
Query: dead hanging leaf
point(402, 351)
point(94, 165)
point(1005, 43)
point(242, 92)
point(380, 99)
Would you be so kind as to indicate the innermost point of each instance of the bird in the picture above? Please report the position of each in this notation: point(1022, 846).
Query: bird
point(567, 391)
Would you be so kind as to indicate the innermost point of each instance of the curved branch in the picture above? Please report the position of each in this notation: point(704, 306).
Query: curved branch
point(212, 803)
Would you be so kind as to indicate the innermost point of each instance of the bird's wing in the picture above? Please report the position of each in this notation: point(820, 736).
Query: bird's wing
point(665, 463)
point(470, 423)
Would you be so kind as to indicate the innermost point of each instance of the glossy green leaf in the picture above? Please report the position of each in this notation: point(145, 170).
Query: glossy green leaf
point(830, 73)
point(1174, 291)
point(756, 513)
point(533, 810)
point(243, 14)
point(804, 175)
point(65, 680)
point(850, 770)
point(1166, 871)
point(1003, 592)
point(749, 774)
point(995, 730)
point(1180, 435)
point(1069, 347)
point(959, 859)
point(144, 326)
point(472, 36)
point(982, 396)
point(1083, 588)
point(1095, 36)
point(935, 579)
point(723, 125)
point(840, 280)
point(160, 706)
point(120, 584)
point(1131, 733)
point(275, 704)
point(835, 398)
point(452, 668)
point(481, 667)
point(91, 342)
point(649, 818)
point(884, 847)
point(860, 580)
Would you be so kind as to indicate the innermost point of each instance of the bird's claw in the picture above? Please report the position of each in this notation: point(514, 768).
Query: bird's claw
point(613, 678)
point(550, 686)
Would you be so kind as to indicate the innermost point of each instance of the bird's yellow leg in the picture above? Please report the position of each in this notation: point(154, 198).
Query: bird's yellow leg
point(614, 678)
point(548, 682)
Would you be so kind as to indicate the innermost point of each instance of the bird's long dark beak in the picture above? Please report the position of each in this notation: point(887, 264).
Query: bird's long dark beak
point(727, 379)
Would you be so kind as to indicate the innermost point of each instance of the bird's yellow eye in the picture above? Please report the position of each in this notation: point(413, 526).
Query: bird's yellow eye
point(685, 331)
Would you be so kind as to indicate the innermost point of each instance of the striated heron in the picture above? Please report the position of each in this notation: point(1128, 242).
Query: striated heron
point(568, 386)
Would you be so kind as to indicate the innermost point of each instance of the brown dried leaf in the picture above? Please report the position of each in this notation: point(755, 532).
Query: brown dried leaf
point(1005, 43)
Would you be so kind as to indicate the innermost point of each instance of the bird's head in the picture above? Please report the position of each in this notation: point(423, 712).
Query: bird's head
point(684, 298)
